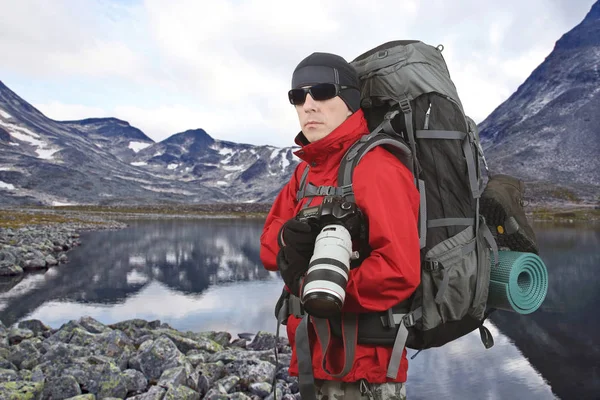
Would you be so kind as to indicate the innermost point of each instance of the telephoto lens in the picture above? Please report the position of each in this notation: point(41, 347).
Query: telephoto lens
point(324, 288)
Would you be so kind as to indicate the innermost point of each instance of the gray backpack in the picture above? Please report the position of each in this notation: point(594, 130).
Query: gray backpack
point(413, 110)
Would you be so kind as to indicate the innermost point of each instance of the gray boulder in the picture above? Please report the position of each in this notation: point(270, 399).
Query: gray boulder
point(137, 382)
point(227, 384)
point(63, 387)
point(17, 335)
point(181, 393)
point(261, 389)
point(212, 371)
point(251, 370)
point(34, 325)
point(9, 375)
point(25, 354)
point(21, 390)
point(154, 393)
point(93, 326)
point(238, 396)
point(158, 356)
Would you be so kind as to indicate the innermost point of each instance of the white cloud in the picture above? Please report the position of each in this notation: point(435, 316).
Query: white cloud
point(226, 66)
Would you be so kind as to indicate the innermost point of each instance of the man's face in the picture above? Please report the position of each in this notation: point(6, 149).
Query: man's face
point(319, 118)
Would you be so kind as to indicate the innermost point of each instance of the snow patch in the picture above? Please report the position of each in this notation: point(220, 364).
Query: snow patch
point(233, 168)
point(128, 178)
point(225, 151)
point(167, 190)
point(222, 183)
point(4, 114)
point(229, 175)
point(19, 128)
point(59, 204)
point(138, 261)
point(274, 153)
point(284, 161)
point(172, 166)
point(13, 144)
point(135, 277)
point(7, 186)
point(46, 154)
point(137, 146)
point(138, 163)
point(171, 257)
point(25, 135)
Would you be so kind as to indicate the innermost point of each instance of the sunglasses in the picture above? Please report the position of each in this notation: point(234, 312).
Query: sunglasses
point(320, 92)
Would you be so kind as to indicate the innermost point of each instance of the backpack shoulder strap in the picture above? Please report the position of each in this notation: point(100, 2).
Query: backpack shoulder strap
point(396, 146)
point(302, 186)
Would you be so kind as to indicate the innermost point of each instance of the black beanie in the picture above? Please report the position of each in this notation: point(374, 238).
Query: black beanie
point(329, 68)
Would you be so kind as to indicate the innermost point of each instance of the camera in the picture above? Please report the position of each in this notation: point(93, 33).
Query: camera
point(324, 288)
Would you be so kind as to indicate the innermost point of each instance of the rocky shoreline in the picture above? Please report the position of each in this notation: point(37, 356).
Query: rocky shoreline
point(140, 360)
point(39, 247)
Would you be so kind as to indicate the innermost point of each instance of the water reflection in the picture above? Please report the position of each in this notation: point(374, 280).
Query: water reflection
point(146, 269)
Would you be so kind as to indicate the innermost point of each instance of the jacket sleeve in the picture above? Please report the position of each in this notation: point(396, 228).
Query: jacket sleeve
point(281, 210)
point(385, 192)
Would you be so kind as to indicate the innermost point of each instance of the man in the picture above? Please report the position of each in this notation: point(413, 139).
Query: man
point(327, 100)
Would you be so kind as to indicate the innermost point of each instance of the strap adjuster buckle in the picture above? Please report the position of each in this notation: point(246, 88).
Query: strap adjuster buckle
point(432, 265)
point(409, 320)
point(404, 104)
point(326, 191)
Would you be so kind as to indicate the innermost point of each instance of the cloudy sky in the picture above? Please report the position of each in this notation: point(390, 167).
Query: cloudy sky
point(225, 66)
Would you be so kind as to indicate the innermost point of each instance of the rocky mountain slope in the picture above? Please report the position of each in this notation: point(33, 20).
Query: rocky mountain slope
point(548, 131)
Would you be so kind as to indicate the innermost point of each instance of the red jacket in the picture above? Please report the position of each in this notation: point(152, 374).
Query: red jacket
point(385, 192)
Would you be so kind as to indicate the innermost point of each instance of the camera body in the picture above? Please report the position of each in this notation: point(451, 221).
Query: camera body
point(324, 288)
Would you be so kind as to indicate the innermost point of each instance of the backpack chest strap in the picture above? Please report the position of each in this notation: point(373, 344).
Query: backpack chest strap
point(307, 189)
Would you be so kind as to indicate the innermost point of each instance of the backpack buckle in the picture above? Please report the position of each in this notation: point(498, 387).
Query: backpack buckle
point(432, 265)
point(405, 105)
point(326, 191)
point(409, 320)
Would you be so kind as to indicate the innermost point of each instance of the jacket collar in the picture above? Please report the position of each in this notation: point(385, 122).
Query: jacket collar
point(330, 149)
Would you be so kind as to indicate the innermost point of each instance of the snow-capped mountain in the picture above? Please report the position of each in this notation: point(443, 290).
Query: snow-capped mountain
point(107, 161)
point(548, 131)
point(116, 136)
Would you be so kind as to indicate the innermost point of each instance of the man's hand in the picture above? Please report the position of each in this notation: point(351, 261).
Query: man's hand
point(298, 235)
point(297, 242)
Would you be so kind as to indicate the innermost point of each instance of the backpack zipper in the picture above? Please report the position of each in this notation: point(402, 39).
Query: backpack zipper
point(426, 126)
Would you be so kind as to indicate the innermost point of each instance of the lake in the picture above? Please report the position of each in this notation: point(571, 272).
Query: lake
point(202, 275)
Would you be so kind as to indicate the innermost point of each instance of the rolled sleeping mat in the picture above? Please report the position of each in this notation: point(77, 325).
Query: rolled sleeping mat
point(518, 283)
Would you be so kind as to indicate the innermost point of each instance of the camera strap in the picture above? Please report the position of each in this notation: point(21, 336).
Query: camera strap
point(306, 380)
point(349, 337)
